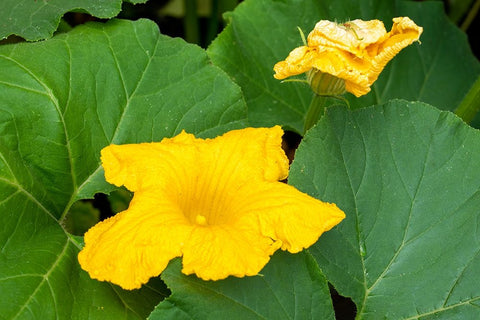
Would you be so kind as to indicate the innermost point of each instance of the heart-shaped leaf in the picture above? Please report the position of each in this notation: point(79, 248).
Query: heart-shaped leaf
point(120, 82)
point(408, 179)
point(438, 71)
point(289, 287)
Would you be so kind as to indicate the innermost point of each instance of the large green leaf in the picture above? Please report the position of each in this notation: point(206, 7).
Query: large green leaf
point(407, 177)
point(38, 19)
point(61, 101)
point(438, 71)
point(289, 287)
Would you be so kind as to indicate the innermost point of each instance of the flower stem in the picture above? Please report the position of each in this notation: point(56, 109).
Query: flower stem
point(317, 109)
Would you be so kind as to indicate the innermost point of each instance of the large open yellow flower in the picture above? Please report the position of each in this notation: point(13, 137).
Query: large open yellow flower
point(355, 51)
point(216, 202)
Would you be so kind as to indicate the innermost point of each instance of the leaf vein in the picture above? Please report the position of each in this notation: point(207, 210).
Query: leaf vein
point(403, 243)
point(44, 279)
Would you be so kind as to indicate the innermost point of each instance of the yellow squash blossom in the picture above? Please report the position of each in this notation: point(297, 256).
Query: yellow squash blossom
point(354, 52)
point(219, 203)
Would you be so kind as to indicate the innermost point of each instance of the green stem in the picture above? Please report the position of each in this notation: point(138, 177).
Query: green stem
point(470, 105)
point(213, 23)
point(317, 109)
point(472, 13)
point(191, 22)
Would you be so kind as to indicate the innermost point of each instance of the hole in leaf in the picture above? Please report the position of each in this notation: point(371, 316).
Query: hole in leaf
point(118, 200)
point(290, 143)
point(85, 213)
point(344, 307)
point(81, 216)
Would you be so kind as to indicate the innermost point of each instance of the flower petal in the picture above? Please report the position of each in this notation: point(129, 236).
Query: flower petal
point(141, 165)
point(352, 36)
point(248, 153)
point(298, 61)
point(137, 244)
point(404, 32)
point(216, 252)
point(287, 215)
point(252, 153)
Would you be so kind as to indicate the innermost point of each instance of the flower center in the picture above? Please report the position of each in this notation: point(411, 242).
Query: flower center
point(207, 200)
point(201, 220)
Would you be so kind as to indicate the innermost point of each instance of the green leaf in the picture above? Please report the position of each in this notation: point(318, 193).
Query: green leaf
point(407, 176)
point(119, 82)
point(289, 287)
point(38, 19)
point(438, 71)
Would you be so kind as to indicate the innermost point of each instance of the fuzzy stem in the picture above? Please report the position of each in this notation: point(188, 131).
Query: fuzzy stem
point(317, 109)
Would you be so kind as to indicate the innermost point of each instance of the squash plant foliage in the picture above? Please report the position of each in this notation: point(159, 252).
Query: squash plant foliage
point(398, 161)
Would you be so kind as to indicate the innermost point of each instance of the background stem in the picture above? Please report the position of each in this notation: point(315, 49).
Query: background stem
point(191, 22)
point(470, 105)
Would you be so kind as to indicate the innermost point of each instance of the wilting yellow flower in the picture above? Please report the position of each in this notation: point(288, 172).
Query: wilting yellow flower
point(355, 51)
point(216, 202)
